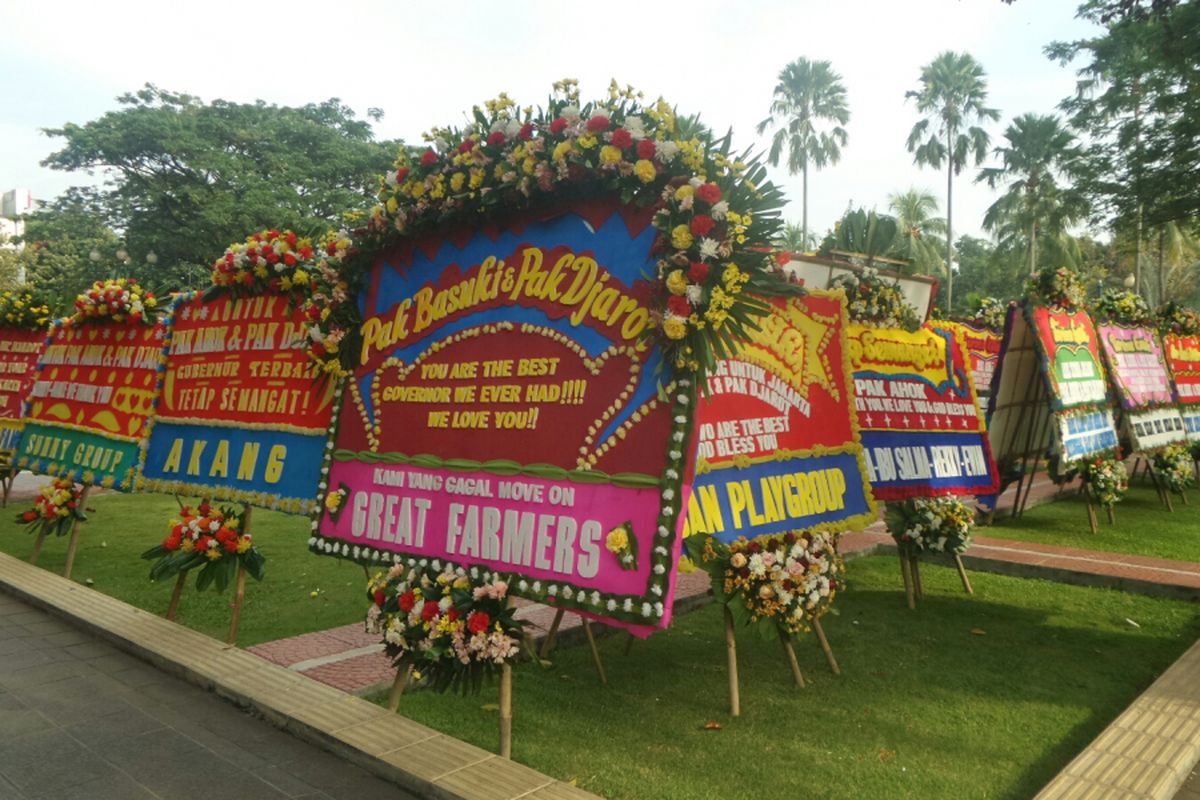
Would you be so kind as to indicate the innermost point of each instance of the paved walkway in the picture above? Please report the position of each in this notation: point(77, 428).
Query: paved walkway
point(81, 719)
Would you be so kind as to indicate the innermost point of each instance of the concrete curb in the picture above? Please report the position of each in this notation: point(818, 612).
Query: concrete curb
point(412, 756)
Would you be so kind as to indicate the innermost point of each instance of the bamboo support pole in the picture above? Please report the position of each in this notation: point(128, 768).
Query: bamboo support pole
point(403, 673)
point(506, 710)
point(908, 587)
point(735, 703)
point(833, 665)
point(239, 595)
point(1112, 515)
point(629, 643)
point(587, 631)
point(1093, 523)
point(797, 676)
point(37, 546)
point(176, 593)
point(918, 589)
point(548, 642)
point(73, 543)
point(962, 573)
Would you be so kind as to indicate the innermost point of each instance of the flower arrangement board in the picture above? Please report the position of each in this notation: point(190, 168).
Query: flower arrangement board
point(922, 430)
point(1138, 368)
point(778, 444)
point(244, 411)
point(1075, 380)
point(93, 393)
point(1183, 358)
point(20, 351)
point(508, 413)
point(983, 353)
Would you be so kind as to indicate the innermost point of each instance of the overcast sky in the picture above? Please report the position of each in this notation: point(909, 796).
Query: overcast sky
point(425, 64)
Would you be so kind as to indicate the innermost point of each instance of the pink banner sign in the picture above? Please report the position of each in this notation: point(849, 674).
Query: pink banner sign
point(1136, 363)
point(546, 530)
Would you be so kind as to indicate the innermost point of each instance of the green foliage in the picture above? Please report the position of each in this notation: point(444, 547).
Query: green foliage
point(188, 177)
point(1137, 102)
point(1037, 163)
point(863, 233)
point(920, 236)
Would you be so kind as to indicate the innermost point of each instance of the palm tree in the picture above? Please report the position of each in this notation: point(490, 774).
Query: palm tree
point(793, 239)
point(1039, 154)
point(952, 97)
point(808, 93)
point(919, 236)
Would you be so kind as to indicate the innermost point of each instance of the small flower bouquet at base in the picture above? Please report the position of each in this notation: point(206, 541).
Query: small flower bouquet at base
point(990, 313)
point(1105, 480)
point(119, 300)
point(56, 508)
point(453, 626)
point(1174, 465)
point(1061, 289)
point(1124, 307)
point(208, 539)
point(784, 582)
point(938, 524)
point(870, 300)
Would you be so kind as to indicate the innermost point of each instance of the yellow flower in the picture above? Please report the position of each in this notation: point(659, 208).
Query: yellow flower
point(675, 328)
point(244, 544)
point(687, 190)
point(681, 237)
point(299, 276)
point(677, 282)
point(610, 154)
point(187, 545)
point(456, 181)
point(645, 171)
point(588, 141)
point(617, 541)
point(333, 501)
point(561, 151)
point(213, 553)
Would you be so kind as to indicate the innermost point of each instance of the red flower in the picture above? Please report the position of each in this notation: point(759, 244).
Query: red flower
point(598, 123)
point(173, 541)
point(331, 248)
point(646, 148)
point(291, 239)
point(679, 306)
point(453, 615)
point(29, 516)
point(230, 546)
point(401, 174)
point(466, 145)
point(407, 601)
point(289, 259)
point(709, 193)
point(702, 224)
point(698, 272)
point(789, 538)
point(526, 132)
point(429, 611)
point(379, 597)
point(478, 622)
point(428, 158)
point(202, 543)
point(621, 138)
point(558, 125)
point(495, 137)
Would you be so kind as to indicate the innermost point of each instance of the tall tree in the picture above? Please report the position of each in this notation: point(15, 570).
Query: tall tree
point(953, 100)
point(809, 93)
point(1040, 157)
point(919, 236)
point(1138, 102)
point(793, 239)
point(185, 178)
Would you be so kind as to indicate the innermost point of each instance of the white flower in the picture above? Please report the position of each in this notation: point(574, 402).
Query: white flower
point(567, 593)
point(552, 590)
point(659, 569)
point(627, 605)
point(646, 609)
point(636, 127)
point(570, 112)
point(667, 150)
point(611, 605)
point(658, 609)
point(595, 598)
point(718, 212)
point(694, 293)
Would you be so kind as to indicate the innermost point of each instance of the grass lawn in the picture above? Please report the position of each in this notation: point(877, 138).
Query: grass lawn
point(969, 697)
point(1144, 526)
point(124, 526)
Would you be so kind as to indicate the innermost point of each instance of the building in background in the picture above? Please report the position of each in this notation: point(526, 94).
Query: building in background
point(14, 204)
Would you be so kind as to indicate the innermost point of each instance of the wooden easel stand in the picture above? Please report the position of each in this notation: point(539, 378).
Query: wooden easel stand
point(403, 673)
point(73, 543)
point(587, 631)
point(735, 704)
point(833, 664)
point(240, 592)
point(797, 676)
point(176, 593)
point(906, 574)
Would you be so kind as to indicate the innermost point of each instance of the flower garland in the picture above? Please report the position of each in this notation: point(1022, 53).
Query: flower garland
point(1177, 319)
point(25, 310)
point(1105, 480)
point(454, 627)
point(715, 213)
point(120, 299)
point(939, 524)
point(990, 313)
point(283, 262)
point(784, 581)
point(1174, 465)
point(1061, 289)
point(207, 538)
point(870, 300)
point(56, 507)
point(1124, 308)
